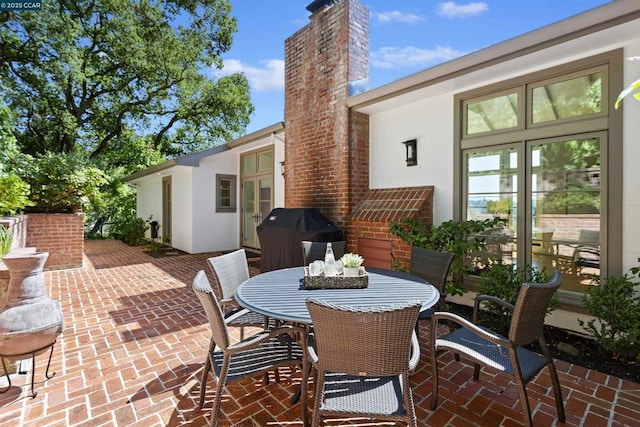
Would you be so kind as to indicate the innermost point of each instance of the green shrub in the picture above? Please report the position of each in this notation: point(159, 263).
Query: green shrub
point(450, 236)
point(132, 231)
point(6, 238)
point(504, 281)
point(14, 194)
point(615, 304)
point(60, 182)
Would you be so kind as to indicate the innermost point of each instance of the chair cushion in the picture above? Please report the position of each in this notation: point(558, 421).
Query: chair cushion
point(426, 314)
point(366, 395)
point(466, 342)
point(281, 350)
point(250, 318)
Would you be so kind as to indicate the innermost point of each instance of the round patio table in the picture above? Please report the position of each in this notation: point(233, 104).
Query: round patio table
point(278, 294)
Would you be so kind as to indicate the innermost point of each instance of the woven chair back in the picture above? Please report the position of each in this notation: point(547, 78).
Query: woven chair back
point(229, 271)
point(363, 341)
point(433, 266)
point(527, 323)
point(202, 288)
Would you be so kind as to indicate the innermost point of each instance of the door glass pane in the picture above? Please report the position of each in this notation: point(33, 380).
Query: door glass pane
point(249, 210)
point(492, 192)
point(565, 201)
point(568, 98)
point(492, 114)
point(265, 198)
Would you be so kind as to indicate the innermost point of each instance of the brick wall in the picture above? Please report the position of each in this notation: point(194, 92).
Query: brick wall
point(373, 216)
point(323, 159)
point(62, 235)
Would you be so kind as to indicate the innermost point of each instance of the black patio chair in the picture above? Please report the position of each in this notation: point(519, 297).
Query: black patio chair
point(433, 266)
point(507, 355)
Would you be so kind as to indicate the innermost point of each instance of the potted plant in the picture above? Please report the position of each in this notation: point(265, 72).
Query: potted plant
point(351, 264)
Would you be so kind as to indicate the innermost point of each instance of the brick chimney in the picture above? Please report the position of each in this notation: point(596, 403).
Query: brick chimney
point(327, 151)
point(327, 146)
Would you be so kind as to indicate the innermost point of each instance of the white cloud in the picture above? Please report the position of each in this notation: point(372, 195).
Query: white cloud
point(397, 16)
point(452, 10)
point(268, 78)
point(393, 57)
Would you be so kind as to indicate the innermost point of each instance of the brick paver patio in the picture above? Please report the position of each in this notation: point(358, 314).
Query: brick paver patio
point(135, 338)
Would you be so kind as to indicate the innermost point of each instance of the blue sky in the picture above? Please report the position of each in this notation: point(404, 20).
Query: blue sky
point(406, 37)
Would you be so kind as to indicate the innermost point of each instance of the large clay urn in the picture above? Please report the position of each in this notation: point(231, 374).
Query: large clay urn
point(30, 321)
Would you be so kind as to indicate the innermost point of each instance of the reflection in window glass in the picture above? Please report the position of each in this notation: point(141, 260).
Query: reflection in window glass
point(492, 114)
point(492, 192)
point(565, 200)
point(568, 98)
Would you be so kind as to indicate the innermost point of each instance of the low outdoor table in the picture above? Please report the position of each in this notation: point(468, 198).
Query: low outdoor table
point(278, 294)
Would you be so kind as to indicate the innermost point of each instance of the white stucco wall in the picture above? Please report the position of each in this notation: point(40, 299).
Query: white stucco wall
point(182, 199)
point(427, 114)
point(216, 231)
point(631, 171)
point(196, 226)
point(430, 121)
point(149, 199)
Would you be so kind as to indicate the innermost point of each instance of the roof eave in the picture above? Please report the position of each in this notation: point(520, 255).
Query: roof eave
point(150, 171)
point(597, 19)
point(259, 134)
point(193, 159)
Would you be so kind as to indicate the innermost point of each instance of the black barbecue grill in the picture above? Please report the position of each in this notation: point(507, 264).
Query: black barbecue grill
point(283, 230)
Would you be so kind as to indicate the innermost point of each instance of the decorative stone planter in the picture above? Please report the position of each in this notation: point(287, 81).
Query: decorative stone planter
point(351, 271)
point(30, 322)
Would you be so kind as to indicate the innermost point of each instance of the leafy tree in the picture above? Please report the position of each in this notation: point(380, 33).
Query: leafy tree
point(14, 192)
point(118, 85)
point(80, 75)
point(60, 182)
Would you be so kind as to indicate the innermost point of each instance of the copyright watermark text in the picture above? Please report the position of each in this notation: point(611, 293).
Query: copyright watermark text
point(21, 5)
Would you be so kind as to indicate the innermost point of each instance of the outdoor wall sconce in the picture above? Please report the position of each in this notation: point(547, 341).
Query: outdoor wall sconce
point(282, 168)
point(412, 152)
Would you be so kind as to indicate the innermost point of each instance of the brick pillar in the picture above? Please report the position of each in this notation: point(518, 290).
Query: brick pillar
point(62, 235)
point(323, 62)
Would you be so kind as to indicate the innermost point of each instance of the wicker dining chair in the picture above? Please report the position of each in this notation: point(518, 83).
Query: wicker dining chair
point(504, 354)
point(258, 354)
point(230, 271)
point(433, 266)
point(312, 251)
point(362, 359)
